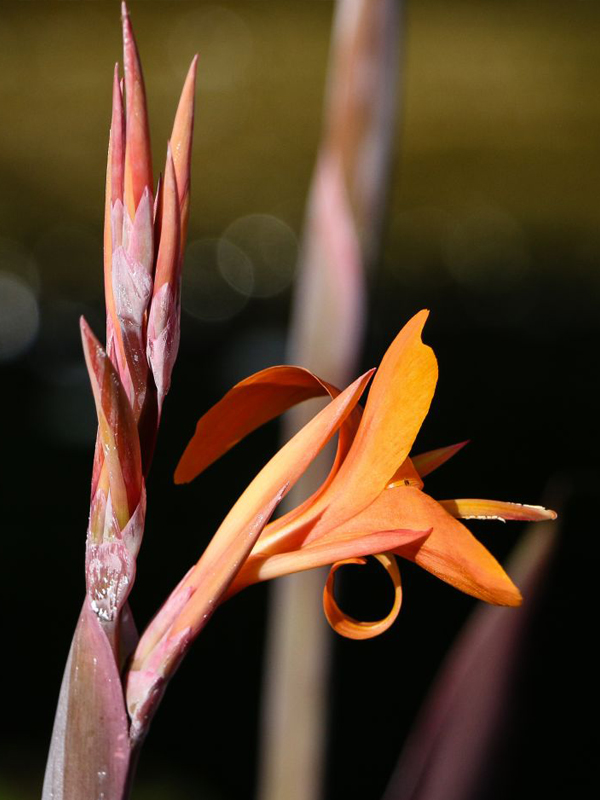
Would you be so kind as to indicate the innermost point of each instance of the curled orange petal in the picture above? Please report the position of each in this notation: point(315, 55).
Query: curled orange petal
point(348, 626)
point(496, 509)
point(425, 463)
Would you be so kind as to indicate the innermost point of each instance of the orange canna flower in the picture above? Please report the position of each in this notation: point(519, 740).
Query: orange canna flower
point(373, 501)
point(371, 504)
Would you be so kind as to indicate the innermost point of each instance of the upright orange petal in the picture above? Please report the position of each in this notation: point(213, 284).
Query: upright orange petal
point(398, 402)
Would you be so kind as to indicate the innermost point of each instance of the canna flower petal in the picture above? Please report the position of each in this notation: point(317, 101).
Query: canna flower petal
point(496, 509)
point(248, 405)
point(451, 552)
point(138, 157)
point(428, 462)
point(348, 626)
point(398, 402)
point(322, 553)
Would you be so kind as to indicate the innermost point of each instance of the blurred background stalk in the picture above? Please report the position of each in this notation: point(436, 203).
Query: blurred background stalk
point(340, 243)
point(462, 745)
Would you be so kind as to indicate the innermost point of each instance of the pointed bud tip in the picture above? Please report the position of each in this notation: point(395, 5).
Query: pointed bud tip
point(87, 334)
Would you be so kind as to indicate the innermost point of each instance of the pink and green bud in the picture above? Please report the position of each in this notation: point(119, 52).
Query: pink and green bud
point(165, 311)
point(117, 430)
point(119, 500)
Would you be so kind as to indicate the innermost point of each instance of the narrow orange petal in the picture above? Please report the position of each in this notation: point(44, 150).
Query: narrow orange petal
point(322, 553)
point(138, 158)
point(496, 509)
point(181, 144)
point(398, 402)
point(248, 405)
point(230, 546)
point(425, 463)
point(348, 626)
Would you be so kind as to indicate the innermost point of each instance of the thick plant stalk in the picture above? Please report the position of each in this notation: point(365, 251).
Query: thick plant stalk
point(92, 753)
point(341, 237)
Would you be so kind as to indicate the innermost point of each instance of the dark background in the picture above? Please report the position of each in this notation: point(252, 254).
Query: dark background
point(493, 225)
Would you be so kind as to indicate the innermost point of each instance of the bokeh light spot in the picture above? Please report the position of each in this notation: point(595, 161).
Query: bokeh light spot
point(235, 267)
point(271, 246)
point(207, 295)
point(19, 316)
